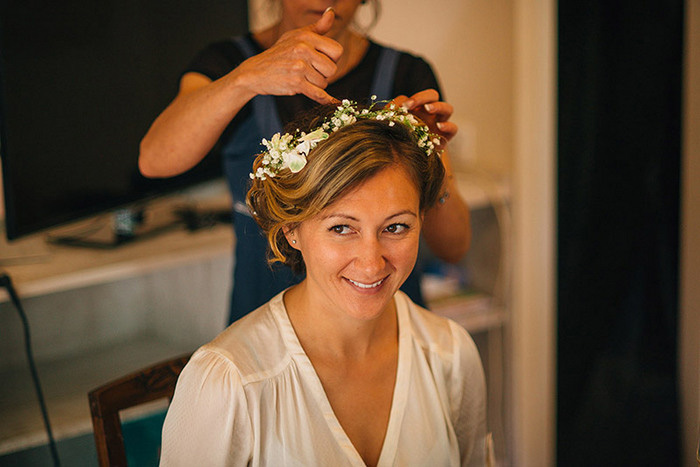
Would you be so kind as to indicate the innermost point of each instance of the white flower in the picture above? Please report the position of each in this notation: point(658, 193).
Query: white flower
point(347, 119)
point(314, 137)
point(303, 148)
point(295, 160)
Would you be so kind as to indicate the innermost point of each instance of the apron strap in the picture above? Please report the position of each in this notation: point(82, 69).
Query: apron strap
point(264, 108)
point(383, 82)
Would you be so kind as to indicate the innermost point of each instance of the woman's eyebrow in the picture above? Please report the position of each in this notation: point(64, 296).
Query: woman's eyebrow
point(353, 218)
point(401, 213)
point(339, 216)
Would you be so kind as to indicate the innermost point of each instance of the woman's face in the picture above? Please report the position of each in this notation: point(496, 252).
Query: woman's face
point(300, 13)
point(360, 249)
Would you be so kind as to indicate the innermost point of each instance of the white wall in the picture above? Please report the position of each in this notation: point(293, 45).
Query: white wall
point(470, 45)
point(534, 227)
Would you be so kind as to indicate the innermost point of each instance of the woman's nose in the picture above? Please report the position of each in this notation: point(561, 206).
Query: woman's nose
point(370, 258)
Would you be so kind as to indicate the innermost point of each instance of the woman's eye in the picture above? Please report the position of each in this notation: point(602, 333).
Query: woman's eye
point(340, 229)
point(397, 228)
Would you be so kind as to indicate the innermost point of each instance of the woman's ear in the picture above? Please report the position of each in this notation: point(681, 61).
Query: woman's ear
point(290, 235)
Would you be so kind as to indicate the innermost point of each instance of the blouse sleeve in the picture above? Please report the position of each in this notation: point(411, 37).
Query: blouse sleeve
point(207, 422)
point(469, 402)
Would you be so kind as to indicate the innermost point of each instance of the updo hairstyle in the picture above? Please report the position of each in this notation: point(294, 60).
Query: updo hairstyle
point(349, 156)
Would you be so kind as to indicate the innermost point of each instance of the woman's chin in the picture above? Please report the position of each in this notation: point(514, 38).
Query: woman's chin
point(368, 301)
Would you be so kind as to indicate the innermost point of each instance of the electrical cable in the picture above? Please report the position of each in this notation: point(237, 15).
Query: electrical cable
point(6, 282)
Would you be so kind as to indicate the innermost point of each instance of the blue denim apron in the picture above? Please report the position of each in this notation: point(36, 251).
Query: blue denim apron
point(254, 280)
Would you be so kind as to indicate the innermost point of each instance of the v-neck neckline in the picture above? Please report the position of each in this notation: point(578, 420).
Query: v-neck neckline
point(400, 391)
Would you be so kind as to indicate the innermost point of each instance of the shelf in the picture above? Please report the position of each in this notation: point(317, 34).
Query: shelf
point(474, 312)
point(65, 384)
point(480, 189)
point(39, 268)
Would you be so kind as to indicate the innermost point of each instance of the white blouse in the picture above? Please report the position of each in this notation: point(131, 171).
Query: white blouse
point(252, 397)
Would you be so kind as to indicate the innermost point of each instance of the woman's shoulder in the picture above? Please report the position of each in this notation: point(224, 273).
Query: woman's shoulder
point(252, 346)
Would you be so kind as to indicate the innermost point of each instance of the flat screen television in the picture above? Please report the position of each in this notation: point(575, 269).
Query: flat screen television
point(80, 83)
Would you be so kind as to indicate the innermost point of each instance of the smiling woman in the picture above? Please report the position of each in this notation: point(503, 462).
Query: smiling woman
point(352, 155)
point(321, 374)
point(359, 251)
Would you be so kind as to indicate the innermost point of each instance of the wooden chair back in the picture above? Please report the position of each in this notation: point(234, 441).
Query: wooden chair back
point(149, 384)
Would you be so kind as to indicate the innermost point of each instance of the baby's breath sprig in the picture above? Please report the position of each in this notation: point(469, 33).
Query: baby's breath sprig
point(289, 151)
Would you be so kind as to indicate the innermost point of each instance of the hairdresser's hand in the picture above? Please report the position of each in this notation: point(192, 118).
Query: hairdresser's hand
point(435, 113)
point(301, 62)
point(446, 227)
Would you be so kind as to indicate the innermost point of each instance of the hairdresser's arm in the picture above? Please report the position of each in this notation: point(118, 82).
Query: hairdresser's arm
point(446, 227)
point(300, 62)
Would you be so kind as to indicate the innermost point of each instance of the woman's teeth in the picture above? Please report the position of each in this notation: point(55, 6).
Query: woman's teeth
point(366, 286)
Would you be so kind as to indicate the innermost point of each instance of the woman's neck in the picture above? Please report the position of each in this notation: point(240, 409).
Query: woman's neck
point(328, 331)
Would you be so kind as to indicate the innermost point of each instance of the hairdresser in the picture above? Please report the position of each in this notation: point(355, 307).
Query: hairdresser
point(237, 91)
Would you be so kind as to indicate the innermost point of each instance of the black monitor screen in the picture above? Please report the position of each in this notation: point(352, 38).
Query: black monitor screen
point(81, 81)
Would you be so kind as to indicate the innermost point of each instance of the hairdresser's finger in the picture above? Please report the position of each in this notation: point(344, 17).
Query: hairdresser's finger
point(323, 65)
point(447, 129)
point(325, 22)
point(316, 78)
point(308, 46)
point(317, 94)
point(442, 111)
point(321, 27)
point(423, 97)
point(402, 101)
point(313, 36)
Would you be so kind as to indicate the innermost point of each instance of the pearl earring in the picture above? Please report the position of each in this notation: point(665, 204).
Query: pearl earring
point(294, 242)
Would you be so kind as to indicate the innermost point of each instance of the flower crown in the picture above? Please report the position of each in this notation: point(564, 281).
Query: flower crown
point(290, 151)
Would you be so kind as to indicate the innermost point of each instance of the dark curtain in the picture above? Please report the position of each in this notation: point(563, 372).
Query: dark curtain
point(619, 154)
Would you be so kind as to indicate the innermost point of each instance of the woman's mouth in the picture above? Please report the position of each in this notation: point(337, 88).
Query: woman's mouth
point(362, 285)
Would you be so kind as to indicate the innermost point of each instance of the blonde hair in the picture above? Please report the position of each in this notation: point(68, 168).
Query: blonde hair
point(338, 164)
